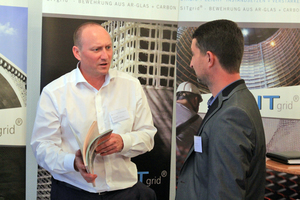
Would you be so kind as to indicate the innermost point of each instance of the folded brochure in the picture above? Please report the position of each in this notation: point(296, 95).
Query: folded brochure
point(88, 147)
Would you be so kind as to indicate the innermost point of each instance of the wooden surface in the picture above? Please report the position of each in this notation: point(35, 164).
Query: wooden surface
point(280, 167)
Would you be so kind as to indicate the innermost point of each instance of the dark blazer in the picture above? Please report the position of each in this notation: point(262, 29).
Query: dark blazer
point(232, 163)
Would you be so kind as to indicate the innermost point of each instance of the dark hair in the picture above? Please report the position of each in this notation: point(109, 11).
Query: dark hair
point(224, 39)
point(78, 32)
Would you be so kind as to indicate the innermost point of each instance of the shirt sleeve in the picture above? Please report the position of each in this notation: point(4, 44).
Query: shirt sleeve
point(141, 138)
point(231, 148)
point(46, 140)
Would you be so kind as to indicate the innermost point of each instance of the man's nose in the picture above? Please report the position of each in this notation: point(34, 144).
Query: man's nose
point(104, 54)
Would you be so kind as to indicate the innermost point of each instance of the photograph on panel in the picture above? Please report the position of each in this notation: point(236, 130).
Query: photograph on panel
point(13, 97)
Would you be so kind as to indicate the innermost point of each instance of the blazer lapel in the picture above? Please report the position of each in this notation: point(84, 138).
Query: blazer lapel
point(218, 103)
point(215, 107)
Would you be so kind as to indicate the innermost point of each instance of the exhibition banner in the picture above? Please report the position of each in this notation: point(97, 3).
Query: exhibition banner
point(270, 64)
point(144, 50)
point(166, 10)
point(13, 67)
point(13, 97)
point(247, 11)
point(19, 3)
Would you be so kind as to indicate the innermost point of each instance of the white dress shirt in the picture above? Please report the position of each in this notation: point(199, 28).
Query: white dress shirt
point(70, 99)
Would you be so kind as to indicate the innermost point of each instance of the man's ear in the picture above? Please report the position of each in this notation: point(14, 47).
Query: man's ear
point(211, 58)
point(76, 52)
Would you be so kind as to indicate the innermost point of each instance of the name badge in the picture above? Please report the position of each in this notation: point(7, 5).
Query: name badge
point(119, 115)
point(197, 144)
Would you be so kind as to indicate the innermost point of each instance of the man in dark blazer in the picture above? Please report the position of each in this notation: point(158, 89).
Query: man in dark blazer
point(227, 160)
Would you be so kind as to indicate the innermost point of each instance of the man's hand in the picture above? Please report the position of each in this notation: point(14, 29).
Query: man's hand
point(79, 166)
point(113, 145)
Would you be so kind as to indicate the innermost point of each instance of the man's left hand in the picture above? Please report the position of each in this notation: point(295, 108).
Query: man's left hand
point(113, 145)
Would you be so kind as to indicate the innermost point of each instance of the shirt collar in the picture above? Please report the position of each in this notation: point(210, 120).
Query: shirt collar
point(80, 78)
point(78, 75)
point(212, 98)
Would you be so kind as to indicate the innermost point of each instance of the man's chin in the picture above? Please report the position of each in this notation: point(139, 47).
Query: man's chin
point(103, 67)
point(104, 71)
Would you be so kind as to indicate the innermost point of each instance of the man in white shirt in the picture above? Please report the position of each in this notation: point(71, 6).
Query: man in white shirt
point(93, 92)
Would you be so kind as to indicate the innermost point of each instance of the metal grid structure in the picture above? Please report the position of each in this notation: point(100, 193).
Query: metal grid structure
point(147, 51)
point(43, 184)
point(275, 62)
point(281, 186)
point(284, 130)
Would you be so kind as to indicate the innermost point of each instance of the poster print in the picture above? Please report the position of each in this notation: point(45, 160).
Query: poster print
point(147, 52)
point(13, 65)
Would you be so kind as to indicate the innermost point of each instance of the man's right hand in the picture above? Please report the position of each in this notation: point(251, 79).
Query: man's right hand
point(79, 167)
